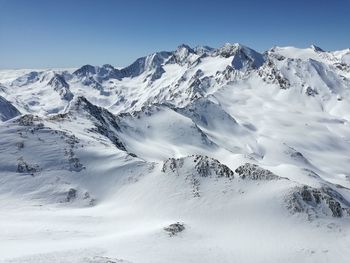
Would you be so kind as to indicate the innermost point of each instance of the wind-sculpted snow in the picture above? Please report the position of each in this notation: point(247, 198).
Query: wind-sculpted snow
point(194, 155)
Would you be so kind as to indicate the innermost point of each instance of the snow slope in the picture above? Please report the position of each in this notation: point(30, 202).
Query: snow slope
point(7, 110)
point(194, 155)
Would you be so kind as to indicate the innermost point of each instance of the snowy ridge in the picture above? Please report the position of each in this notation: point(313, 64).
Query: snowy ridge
point(195, 155)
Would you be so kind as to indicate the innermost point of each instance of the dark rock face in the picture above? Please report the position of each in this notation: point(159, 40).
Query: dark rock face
point(26, 168)
point(58, 80)
point(157, 74)
point(7, 110)
point(174, 229)
point(316, 48)
point(85, 70)
point(255, 172)
point(104, 121)
point(311, 92)
point(99, 74)
point(325, 200)
point(71, 195)
point(61, 86)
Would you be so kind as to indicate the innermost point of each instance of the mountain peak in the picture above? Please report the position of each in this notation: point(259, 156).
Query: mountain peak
point(242, 55)
point(85, 70)
point(58, 79)
point(316, 48)
point(228, 49)
point(200, 50)
point(182, 53)
point(184, 46)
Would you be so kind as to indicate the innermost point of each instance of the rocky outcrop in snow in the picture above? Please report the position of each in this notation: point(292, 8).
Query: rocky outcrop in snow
point(318, 201)
point(201, 166)
point(255, 172)
point(193, 169)
point(174, 229)
point(270, 73)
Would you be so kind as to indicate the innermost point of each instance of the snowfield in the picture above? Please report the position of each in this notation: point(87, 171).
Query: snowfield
point(196, 155)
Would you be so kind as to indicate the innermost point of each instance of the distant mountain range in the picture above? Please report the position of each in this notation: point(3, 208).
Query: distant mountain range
point(195, 155)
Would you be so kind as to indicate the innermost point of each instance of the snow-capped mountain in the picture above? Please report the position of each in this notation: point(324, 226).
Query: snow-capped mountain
point(195, 155)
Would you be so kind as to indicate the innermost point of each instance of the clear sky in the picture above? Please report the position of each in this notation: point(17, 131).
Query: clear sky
point(70, 33)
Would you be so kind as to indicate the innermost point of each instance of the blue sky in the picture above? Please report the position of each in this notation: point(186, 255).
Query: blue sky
point(44, 33)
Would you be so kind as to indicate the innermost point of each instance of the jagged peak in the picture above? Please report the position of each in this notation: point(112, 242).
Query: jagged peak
point(200, 50)
point(147, 63)
point(104, 121)
point(242, 56)
point(61, 86)
point(58, 79)
point(79, 101)
point(85, 69)
point(182, 55)
point(108, 66)
point(228, 49)
point(81, 104)
point(184, 47)
point(316, 48)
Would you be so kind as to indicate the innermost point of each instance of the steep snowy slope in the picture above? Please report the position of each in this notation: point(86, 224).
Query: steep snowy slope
point(7, 110)
point(194, 155)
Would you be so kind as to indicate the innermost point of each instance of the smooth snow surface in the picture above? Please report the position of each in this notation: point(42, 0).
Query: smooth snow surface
point(243, 156)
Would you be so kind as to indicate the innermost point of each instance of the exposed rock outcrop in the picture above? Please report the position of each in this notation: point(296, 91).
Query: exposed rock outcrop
point(255, 172)
point(317, 201)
